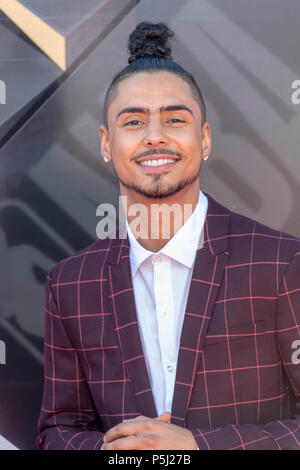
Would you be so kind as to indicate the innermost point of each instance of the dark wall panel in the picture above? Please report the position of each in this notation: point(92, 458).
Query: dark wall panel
point(243, 54)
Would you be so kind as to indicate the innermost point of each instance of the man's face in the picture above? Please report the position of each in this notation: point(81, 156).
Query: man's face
point(155, 136)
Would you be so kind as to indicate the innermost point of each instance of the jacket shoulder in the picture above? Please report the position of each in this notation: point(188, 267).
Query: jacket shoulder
point(85, 264)
point(265, 237)
point(245, 232)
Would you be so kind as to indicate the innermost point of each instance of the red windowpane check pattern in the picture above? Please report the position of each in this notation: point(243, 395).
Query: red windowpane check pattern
point(236, 385)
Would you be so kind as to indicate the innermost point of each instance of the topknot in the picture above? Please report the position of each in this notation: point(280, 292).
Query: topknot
point(149, 39)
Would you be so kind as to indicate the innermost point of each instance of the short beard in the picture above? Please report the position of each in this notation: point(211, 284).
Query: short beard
point(158, 192)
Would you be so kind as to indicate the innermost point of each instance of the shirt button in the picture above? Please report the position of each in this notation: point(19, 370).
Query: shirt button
point(164, 313)
point(170, 368)
point(156, 259)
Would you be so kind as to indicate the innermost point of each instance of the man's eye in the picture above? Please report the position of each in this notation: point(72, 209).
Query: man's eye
point(134, 122)
point(175, 121)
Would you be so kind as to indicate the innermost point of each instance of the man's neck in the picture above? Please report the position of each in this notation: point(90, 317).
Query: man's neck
point(155, 221)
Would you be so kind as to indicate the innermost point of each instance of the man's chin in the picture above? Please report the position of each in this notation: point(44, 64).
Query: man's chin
point(155, 194)
point(159, 192)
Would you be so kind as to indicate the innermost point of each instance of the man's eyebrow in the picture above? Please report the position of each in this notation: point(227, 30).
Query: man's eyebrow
point(176, 107)
point(162, 109)
point(132, 110)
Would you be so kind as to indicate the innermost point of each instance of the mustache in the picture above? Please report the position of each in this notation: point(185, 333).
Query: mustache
point(152, 152)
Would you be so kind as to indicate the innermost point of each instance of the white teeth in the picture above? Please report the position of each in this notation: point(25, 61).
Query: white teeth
point(157, 162)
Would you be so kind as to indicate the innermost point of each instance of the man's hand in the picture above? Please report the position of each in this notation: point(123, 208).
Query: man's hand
point(144, 433)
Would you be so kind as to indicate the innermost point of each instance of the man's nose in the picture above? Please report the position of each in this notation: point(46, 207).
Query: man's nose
point(155, 135)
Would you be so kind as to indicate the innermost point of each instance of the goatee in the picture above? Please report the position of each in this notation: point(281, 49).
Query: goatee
point(159, 191)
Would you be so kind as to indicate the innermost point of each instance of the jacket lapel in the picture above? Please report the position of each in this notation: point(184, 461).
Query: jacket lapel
point(126, 325)
point(206, 280)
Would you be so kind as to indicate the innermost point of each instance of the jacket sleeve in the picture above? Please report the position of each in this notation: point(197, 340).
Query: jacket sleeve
point(280, 434)
point(68, 419)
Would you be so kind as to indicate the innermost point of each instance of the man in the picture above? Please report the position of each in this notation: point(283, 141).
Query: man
point(182, 342)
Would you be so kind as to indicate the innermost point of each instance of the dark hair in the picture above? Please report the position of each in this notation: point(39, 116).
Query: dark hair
point(150, 51)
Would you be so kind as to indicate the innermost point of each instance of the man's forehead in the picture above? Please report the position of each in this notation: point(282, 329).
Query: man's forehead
point(153, 91)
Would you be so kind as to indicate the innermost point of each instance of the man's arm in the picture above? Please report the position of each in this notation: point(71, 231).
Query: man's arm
point(279, 434)
point(68, 419)
point(153, 433)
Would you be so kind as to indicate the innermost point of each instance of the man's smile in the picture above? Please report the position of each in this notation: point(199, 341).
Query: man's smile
point(155, 163)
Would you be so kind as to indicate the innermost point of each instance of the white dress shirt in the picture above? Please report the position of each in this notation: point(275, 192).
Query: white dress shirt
point(161, 283)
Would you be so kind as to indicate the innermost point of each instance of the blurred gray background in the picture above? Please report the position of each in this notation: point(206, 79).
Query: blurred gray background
point(244, 55)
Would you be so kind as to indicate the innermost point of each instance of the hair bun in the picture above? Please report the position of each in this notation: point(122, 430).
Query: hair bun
point(149, 39)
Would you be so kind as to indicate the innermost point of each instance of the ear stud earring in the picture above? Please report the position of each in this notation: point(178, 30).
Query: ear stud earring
point(205, 158)
point(105, 159)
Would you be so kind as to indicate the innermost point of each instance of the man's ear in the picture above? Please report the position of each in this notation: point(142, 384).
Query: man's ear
point(206, 139)
point(105, 147)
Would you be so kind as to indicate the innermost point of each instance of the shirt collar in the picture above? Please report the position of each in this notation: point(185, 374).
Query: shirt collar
point(182, 246)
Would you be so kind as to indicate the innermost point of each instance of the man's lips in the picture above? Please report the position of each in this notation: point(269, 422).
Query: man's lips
point(158, 157)
point(157, 163)
point(164, 156)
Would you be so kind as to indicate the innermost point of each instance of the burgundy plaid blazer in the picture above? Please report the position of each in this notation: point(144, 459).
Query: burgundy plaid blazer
point(236, 383)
